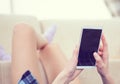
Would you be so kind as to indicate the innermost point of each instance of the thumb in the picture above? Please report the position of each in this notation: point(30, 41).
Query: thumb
point(75, 61)
point(99, 61)
point(71, 67)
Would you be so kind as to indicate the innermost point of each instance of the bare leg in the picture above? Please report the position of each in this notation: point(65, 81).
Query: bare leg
point(24, 56)
point(54, 62)
point(24, 53)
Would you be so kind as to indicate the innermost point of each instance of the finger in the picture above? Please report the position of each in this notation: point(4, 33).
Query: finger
point(105, 49)
point(100, 48)
point(100, 53)
point(99, 61)
point(77, 72)
point(105, 46)
point(73, 62)
point(75, 55)
point(76, 51)
point(71, 68)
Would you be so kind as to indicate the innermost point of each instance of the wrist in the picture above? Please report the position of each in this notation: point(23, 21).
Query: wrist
point(107, 79)
point(105, 75)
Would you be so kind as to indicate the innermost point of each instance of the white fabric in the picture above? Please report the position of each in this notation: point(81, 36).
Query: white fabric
point(49, 34)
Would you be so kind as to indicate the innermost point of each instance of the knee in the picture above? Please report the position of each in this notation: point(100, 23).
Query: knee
point(52, 46)
point(22, 28)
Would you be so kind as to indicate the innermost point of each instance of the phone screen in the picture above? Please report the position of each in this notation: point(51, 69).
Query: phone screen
point(89, 44)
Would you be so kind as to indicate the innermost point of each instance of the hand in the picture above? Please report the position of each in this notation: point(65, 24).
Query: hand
point(102, 63)
point(102, 58)
point(69, 73)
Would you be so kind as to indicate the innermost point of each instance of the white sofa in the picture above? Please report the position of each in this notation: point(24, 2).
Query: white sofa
point(67, 36)
point(7, 22)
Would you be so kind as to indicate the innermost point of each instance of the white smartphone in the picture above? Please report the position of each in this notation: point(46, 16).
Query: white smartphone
point(89, 44)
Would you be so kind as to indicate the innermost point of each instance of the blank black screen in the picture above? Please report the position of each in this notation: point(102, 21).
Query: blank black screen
point(89, 44)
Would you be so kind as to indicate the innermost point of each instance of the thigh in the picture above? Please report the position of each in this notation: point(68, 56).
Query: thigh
point(54, 61)
point(24, 53)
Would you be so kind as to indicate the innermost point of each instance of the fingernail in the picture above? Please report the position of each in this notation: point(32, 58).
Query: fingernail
point(94, 53)
point(96, 56)
point(50, 33)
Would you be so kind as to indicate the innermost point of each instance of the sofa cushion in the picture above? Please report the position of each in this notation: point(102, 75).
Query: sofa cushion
point(69, 31)
point(7, 23)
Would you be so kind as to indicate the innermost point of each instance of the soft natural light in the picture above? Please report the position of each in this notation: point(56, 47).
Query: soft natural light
point(59, 9)
point(4, 6)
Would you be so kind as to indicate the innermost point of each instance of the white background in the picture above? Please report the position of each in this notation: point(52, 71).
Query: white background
point(58, 9)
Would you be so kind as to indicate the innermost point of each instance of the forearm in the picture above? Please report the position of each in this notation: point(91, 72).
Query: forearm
point(107, 79)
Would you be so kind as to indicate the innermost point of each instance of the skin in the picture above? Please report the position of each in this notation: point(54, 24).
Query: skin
point(102, 63)
point(47, 62)
point(34, 53)
point(101, 57)
point(70, 72)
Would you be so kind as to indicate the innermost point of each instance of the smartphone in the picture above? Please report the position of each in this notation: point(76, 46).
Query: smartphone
point(89, 44)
